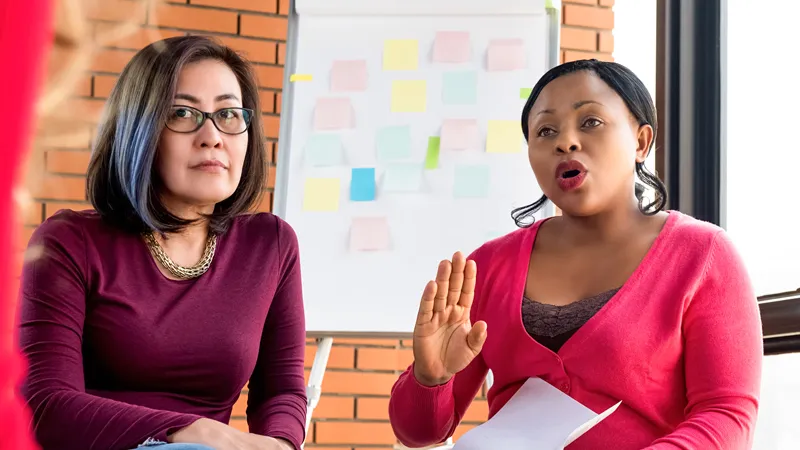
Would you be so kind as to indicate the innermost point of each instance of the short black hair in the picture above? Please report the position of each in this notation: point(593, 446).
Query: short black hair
point(636, 97)
point(121, 182)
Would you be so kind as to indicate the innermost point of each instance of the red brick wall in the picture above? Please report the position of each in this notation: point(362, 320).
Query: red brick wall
point(353, 411)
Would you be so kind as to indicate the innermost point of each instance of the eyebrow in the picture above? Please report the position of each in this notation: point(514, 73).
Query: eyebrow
point(193, 99)
point(575, 105)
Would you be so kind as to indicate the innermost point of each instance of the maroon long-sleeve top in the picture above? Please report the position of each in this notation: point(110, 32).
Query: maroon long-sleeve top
point(119, 353)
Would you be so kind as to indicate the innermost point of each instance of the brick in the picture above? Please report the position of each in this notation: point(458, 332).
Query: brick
point(607, 3)
point(578, 39)
point(358, 383)
point(265, 6)
point(460, 430)
point(278, 100)
point(570, 55)
point(271, 176)
point(407, 343)
point(103, 84)
point(384, 359)
point(605, 42)
point(188, 18)
point(283, 7)
point(589, 16)
point(58, 187)
point(339, 358)
point(252, 49)
point(478, 411)
point(240, 407)
point(372, 408)
point(266, 203)
point(23, 236)
point(271, 126)
point(111, 60)
point(31, 214)
point(267, 101)
point(51, 208)
point(269, 149)
point(135, 40)
point(370, 433)
point(83, 87)
point(70, 162)
point(334, 407)
point(269, 76)
point(281, 53)
point(82, 110)
point(116, 11)
point(263, 26)
point(240, 424)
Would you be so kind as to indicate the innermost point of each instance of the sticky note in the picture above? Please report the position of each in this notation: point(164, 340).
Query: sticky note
point(400, 54)
point(432, 153)
point(321, 194)
point(333, 113)
point(471, 181)
point(393, 143)
point(349, 76)
point(460, 134)
point(451, 47)
point(362, 184)
point(403, 177)
point(323, 150)
point(409, 96)
point(524, 93)
point(300, 77)
point(504, 136)
point(505, 55)
point(460, 88)
point(369, 234)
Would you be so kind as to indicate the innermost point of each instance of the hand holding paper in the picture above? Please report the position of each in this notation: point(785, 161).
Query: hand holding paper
point(444, 340)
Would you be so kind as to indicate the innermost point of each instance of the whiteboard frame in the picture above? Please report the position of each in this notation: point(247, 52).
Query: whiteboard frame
point(279, 194)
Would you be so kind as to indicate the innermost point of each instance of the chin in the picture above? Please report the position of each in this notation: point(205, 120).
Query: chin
point(576, 205)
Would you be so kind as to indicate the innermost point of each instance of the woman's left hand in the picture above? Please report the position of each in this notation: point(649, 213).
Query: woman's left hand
point(269, 443)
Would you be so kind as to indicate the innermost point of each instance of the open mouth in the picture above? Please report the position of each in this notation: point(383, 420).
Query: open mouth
point(570, 174)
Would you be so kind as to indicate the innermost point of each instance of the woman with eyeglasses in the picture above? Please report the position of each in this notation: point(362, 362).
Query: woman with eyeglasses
point(144, 319)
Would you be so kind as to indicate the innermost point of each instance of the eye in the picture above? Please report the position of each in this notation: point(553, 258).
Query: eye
point(179, 113)
point(592, 122)
point(545, 132)
point(229, 114)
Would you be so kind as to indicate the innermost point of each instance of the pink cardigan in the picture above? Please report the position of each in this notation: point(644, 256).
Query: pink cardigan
point(680, 345)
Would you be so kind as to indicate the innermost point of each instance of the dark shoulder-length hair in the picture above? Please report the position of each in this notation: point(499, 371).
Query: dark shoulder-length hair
point(122, 183)
point(639, 102)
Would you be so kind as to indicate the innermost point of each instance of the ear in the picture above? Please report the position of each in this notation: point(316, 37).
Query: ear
point(644, 138)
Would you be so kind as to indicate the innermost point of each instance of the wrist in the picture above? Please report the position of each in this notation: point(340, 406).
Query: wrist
point(284, 444)
point(428, 381)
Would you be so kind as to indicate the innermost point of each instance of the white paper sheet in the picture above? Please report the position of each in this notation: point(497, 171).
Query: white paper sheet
point(537, 417)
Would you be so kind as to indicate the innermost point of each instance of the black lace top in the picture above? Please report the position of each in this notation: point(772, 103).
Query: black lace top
point(553, 325)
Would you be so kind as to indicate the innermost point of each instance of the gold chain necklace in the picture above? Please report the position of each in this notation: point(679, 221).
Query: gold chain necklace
point(178, 271)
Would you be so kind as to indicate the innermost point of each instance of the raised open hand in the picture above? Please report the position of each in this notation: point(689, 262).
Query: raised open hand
point(444, 340)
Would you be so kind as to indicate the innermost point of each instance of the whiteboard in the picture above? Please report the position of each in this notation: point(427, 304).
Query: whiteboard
point(378, 291)
point(760, 160)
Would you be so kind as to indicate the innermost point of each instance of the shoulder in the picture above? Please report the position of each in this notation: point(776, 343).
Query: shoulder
point(264, 227)
point(67, 226)
point(504, 246)
point(693, 233)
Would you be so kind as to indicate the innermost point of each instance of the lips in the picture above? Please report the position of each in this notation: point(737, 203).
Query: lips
point(570, 175)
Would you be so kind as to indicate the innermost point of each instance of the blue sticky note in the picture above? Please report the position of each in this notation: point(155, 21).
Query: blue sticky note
point(460, 88)
point(362, 185)
point(393, 143)
point(403, 177)
point(471, 181)
point(324, 150)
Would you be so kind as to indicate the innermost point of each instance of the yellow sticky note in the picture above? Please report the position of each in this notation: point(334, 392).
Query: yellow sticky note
point(504, 136)
point(400, 54)
point(321, 194)
point(409, 96)
point(300, 77)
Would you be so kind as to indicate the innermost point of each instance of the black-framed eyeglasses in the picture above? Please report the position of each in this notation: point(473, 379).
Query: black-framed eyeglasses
point(186, 119)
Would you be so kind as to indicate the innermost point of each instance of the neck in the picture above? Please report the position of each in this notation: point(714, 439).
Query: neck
point(612, 225)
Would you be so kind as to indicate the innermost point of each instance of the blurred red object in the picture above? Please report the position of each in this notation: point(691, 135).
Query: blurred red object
point(26, 34)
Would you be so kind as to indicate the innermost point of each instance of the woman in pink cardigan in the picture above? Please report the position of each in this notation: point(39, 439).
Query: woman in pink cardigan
point(614, 300)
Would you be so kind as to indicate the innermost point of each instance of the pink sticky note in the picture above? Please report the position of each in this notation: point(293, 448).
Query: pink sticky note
point(459, 134)
point(451, 47)
point(333, 114)
point(369, 234)
point(506, 54)
point(349, 76)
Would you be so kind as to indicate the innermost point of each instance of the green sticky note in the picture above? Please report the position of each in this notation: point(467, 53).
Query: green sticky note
point(409, 96)
point(393, 143)
point(400, 54)
point(323, 150)
point(321, 194)
point(432, 155)
point(403, 177)
point(504, 136)
point(471, 181)
point(524, 93)
point(460, 88)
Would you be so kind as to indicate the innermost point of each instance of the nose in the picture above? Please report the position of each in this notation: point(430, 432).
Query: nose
point(208, 136)
point(567, 143)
